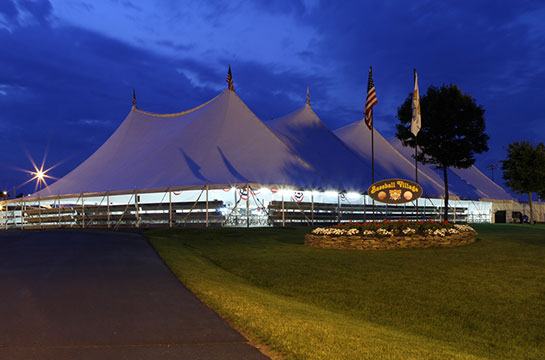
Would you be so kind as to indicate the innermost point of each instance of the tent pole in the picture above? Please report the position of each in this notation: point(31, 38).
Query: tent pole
point(455, 211)
point(137, 224)
point(39, 212)
point(169, 208)
point(206, 205)
point(247, 206)
point(22, 215)
point(312, 209)
point(425, 209)
point(108, 209)
point(283, 210)
point(83, 210)
point(364, 209)
point(338, 208)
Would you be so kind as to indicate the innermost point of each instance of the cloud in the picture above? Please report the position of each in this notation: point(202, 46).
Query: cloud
point(234, 30)
point(8, 9)
point(72, 65)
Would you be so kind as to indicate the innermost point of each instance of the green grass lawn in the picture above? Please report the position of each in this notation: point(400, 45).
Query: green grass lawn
point(481, 301)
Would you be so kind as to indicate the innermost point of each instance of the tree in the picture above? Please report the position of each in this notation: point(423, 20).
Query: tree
point(453, 130)
point(524, 170)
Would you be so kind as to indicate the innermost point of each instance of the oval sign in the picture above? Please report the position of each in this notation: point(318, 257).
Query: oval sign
point(395, 191)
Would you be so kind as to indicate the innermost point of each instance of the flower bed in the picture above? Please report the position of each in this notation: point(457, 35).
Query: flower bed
point(391, 235)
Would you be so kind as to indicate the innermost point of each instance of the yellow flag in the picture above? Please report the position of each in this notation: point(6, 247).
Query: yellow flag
point(416, 122)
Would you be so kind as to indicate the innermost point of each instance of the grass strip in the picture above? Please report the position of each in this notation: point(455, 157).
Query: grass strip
point(289, 322)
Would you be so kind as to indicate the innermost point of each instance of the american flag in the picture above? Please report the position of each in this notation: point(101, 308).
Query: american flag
point(229, 80)
point(371, 100)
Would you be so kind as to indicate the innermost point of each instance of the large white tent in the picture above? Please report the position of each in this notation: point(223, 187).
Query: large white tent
point(307, 136)
point(388, 161)
point(157, 167)
point(220, 143)
point(468, 183)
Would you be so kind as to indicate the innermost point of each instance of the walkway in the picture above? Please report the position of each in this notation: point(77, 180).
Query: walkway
point(71, 294)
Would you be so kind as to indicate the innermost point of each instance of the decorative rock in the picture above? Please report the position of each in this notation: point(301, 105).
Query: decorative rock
point(385, 243)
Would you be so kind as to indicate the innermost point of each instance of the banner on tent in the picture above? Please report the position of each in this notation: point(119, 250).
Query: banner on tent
point(395, 191)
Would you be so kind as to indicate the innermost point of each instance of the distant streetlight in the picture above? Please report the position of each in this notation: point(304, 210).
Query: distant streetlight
point(39, 174)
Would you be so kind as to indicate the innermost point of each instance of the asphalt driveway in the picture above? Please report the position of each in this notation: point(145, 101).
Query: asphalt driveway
point(71, 294)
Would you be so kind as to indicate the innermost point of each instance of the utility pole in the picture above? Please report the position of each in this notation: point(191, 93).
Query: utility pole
point(493, 167)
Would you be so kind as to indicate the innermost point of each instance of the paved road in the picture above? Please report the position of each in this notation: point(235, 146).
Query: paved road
point(102, 295)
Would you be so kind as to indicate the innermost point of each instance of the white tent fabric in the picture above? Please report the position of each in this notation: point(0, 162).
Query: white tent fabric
point(307, 136)
point(468, 183)
point(389, 163)
point(220, 143)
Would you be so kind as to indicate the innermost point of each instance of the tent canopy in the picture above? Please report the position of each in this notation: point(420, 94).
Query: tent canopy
point(219, 142)
point(222, 143)
point(389, 163)
point(468, 183)
point(307, 136)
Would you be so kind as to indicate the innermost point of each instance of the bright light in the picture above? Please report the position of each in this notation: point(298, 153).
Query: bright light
point(331, 193)
point(286, 192)
point(265, 189)
point(353, 195)
point(4, 193)
point(39, 174)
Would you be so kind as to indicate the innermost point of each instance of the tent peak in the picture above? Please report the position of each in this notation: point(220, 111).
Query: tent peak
point(134, 98)
point(308, 97)
point(230, 84)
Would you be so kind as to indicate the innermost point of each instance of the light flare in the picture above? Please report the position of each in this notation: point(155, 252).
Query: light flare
point(39, 174)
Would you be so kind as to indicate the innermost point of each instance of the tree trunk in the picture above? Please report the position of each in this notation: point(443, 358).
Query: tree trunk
point(445, 212)
point(531, 212)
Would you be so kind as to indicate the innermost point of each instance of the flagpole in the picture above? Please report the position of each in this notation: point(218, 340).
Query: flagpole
point(416, 124)
point(416, 168)
point(373, 159)
point(370, 101)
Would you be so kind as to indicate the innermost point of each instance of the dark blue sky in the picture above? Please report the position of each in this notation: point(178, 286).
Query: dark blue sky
point(67, 67)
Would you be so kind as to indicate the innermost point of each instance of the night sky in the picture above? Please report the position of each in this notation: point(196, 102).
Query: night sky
point(68, 67)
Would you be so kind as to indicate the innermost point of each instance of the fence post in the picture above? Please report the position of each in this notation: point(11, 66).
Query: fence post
point(108, 209)
point(206, 205)
point(312, 208)
point(283, 210)
point(39, 211)
point(169, 208)
point(247, 206)
point(137, 223)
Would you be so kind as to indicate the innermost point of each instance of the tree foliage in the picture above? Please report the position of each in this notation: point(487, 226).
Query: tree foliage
point(524, 170)
point(453, 130)
point(453, 127)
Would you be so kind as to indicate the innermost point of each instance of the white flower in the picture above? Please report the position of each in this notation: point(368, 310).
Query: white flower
point(463, 228)
point(352, 232)
point(384, 232)
point(368, 232)
point(329, 231)
point(408, 231)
